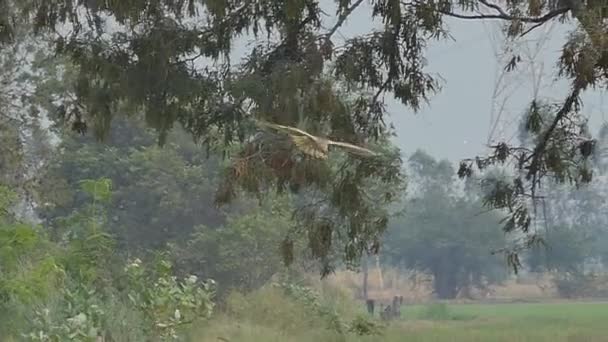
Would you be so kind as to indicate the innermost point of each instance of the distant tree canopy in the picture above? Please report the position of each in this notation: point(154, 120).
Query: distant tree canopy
point(162, 200)
point(159, 195)
point(445, 233)
point(147, 56)
point(575, 229)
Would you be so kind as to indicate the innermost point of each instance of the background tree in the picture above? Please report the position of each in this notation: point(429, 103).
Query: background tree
point(243, 253)
point(575, 235)
point(163, 197)
point(444, 232)
point(160, 195)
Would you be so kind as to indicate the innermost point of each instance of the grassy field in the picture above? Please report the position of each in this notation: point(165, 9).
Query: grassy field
point(506, 322)
point(463, 322)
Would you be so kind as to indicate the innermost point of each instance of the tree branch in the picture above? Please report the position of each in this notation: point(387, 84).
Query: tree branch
point(342, 19)
point(542, 145)
point(532, 28)
point(504, 16)
point(494, 6)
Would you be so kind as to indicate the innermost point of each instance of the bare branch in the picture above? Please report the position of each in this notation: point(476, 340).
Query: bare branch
point(494, 6)
point(504, 16)
point(342, 19)
point(532, 28)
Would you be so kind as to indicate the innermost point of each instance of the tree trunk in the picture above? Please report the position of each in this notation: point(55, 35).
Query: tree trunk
point(445, 286)
point(379, 269)
point(444, 282)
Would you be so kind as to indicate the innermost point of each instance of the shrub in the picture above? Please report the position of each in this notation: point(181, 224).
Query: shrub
point(573, 285)
point(293, 308)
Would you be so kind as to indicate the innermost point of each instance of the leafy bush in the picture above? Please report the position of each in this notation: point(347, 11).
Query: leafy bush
point(360, 325)
point(166, 302)
point(363, 325)
point(77, 316)
point(295, 309)
point(71, 289)
point(311, 300)
point(248, 256)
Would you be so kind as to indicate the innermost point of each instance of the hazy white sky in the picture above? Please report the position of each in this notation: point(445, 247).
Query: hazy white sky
point(457, 122)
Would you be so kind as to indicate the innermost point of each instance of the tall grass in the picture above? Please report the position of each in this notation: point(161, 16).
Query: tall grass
point(273, 314)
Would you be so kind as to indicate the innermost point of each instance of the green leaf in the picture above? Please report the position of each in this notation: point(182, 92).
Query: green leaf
point(100, 189)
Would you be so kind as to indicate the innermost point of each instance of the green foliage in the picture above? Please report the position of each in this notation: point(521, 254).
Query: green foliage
point(555, 142)
point(215, 104)
point(362, 325)
point(564, 250)
point(158, 195)
point(100, 189)
point(79, 318)
point(242, 254)
point(166, 302)
point(35, 279)
point(10, 151)
point(342, 202)
point(71, 289)
point(145, 63)
point(7, 199)
point(164, 306)
point(28, 269)
point(292, 310)
point(312, 300)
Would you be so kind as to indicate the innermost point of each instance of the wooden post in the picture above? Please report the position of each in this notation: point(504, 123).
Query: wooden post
point(379, 269)
point(396, 310)
point(370, 306)
point(387, 313)
point(365, 277)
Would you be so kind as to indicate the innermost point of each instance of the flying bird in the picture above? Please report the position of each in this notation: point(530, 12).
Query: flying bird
point(316, 147)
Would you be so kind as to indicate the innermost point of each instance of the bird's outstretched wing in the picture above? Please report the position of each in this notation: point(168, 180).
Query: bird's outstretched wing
point(309, 143)
point(286, 129)
point(354, 149)
point(304, 141)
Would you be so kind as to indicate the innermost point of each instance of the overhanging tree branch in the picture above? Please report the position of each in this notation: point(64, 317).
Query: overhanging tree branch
point(504, 16)
point(342, 19)
point(559, 116)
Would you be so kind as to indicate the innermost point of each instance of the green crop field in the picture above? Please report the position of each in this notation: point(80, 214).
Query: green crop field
point(465, 322)
point(505, 322)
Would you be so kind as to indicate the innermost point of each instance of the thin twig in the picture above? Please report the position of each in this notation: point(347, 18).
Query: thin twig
point(532, 28)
